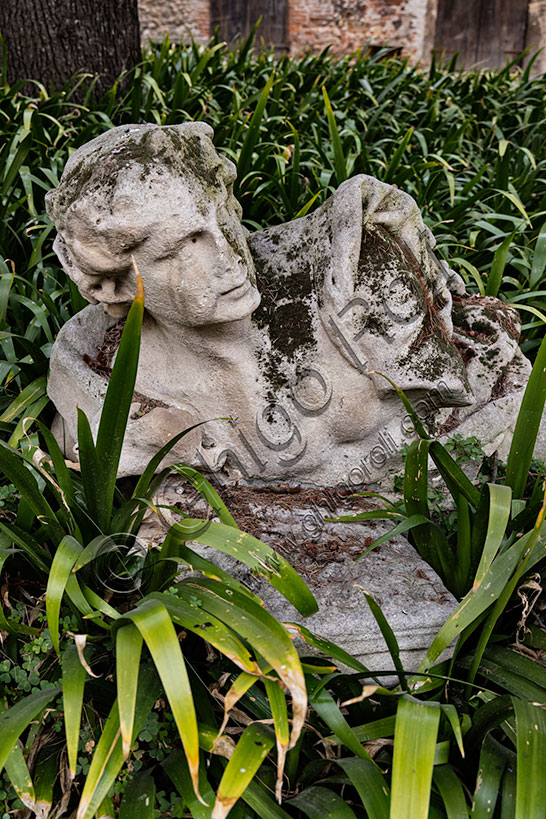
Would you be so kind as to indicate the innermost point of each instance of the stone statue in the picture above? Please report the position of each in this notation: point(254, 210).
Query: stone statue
point(284, 330)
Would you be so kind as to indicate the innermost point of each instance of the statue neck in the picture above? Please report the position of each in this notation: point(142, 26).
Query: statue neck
point(220, 341)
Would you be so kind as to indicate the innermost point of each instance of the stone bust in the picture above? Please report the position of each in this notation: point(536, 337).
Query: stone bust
point(284, 330)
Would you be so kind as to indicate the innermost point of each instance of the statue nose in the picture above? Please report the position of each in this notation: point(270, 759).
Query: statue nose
point(108, 289)
point(229, 262)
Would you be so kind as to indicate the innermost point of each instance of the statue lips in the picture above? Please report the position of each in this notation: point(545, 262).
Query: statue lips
point(238, 291)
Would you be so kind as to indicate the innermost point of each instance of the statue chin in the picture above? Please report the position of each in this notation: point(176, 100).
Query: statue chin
point(348, 300)
point(117, 311)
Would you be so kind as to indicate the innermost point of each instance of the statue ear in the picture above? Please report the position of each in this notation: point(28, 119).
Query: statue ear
point(50, 202)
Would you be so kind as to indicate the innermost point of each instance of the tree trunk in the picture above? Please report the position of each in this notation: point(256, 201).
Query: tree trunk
point(50, 40)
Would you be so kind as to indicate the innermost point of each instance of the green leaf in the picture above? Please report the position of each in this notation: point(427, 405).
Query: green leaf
point(92, 473)
point(46, 772)
point(531, 759)
point(143, 483)
point(19, 776)
point(397, 156)
point(251, 750)
point(267, 636)
point(16, 469)
point(321, 803)
point(118, 399)
point(370, 784)
point(493, 758)
point(33, 551)
point(414, 746)
point(500, 506)
point(206, 489)
point(477, 600)
point(494, 280)
point(430, 541)
point(176, 768)
point(327, 709)
point(108, 757)
point(257, 797)
point(128, 651)
point(389, 637)
point(327, 647)
point(538, 263)
point(456, 481)
point(279, 711)
point(188, 614)
point(155, 625)
point(138, 798)
point(451, 791)
point(14, 721)
point(527, 424)
point(25, 399)
point(244, 162)
point(249, 550)
point(66, 555)
point(73, 686)
point(339, 157)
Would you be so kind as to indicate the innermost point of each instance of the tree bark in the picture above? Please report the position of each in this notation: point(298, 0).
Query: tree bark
point(51, 40)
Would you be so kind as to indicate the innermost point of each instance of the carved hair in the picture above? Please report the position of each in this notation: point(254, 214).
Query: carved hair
point(93, 170)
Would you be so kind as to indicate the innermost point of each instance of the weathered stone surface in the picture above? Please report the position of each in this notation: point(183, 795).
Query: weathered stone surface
point(412, 597)
point(285, 330)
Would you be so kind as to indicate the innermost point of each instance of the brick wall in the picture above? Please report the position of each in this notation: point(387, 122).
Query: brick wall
point(176, 17)
point(312, 24)
point(408, 25)
point(350, 24)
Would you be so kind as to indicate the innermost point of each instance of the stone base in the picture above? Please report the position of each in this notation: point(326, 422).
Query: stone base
point(411, 595)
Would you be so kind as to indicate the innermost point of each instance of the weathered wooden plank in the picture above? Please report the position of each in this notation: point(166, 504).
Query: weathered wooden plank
point(486, 32)
point(502, 28)
point(235, 19)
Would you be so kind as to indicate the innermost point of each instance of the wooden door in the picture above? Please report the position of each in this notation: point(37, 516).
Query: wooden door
point(486, 33)
point(235, 19)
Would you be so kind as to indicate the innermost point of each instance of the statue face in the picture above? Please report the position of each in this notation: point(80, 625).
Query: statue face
point(189, 245)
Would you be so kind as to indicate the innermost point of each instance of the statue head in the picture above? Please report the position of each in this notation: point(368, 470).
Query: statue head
point(164, 196)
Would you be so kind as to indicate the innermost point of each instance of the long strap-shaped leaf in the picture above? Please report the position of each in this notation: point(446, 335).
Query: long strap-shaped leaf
point(500, 504)
point(370, 784)
point(493, 758)
point(531, 759)
point(451, 791)
point(138, 798)
point(155, 625)
point(429, 539)
point(328, 710)
point(128, 651)
point(279, 712)
point(17, 470)
point(92, 473)
point(477, 600)
point(176, 768)
point(191, 616)
point(249, 550)
point(415, 735)
point(17, 771)
point(264, 633)
point(66, 555)
point(251, 137)
point(119, 396)
point(14, 721)
point(73, 686)
point(108, 757)
point(529, 417)
point(251, 750)
point(322, 803)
